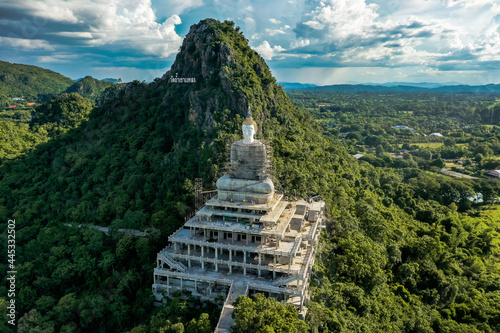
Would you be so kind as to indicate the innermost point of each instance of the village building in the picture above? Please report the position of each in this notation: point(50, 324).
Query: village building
point(494, 174)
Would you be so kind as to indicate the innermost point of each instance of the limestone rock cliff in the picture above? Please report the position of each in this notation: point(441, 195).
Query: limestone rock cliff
point(229, 76)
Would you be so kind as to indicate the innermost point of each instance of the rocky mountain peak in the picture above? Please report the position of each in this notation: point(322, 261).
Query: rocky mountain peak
point(217, 70)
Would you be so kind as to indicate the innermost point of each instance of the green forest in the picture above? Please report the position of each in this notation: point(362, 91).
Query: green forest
point(20, 84)
point(405, 249)
point(38, 114)
point(32, 83)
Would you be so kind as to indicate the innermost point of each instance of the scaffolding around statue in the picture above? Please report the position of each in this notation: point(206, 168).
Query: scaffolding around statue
point(246, 238)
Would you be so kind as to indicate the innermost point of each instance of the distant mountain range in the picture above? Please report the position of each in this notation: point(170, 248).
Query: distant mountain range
point(410, 84)
point(108, 79)
point(399, 87)
point(295, 85)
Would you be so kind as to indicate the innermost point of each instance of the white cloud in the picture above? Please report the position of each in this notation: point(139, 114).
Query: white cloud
point(274, 32)
point(354, 33)
point(28, 44)
point(300, 43)
point(125, 23)
point(74, 34)
point(338, 20)
point(468, 3)
point(488, 45)
point(249, 23)
point(274, 21)
point(175, 6)
point(57, 58)
point(267, 52)
point(54, 10)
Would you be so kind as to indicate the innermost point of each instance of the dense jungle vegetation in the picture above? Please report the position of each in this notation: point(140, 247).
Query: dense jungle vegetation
point(48, 120)
point(405, 250)
point(20, 124)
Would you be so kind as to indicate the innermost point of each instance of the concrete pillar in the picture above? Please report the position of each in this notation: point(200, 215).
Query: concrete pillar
point(181, 283)
point(189, 249)
point(245, 257)
point(201, 258)
point(230, 255)
point(216, 263)
point(168, 285)
point(204, 234)
point(274, 268)
point(260, 260)
point(175, 246)
point(245, 270)
point(247, 235)
point(232, 237)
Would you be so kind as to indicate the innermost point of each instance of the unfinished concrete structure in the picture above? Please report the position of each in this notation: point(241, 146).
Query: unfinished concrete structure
point(246, 239)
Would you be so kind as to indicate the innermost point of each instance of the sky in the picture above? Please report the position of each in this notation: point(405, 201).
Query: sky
point(306, 41)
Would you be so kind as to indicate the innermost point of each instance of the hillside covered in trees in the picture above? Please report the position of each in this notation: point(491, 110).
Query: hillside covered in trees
point(30, 82)
point(35, 84)
point(48, 120)
point(27, 92)
point(89, 87)
point(391, 259)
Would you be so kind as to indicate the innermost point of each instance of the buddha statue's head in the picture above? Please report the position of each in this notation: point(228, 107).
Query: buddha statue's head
point(249, 129)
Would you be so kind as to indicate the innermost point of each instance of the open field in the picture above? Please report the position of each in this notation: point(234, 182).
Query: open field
point(428, 144)
point(432, 145)
point(425, 144)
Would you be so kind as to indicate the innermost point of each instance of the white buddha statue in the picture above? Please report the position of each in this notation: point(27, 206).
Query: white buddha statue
point(248, 169)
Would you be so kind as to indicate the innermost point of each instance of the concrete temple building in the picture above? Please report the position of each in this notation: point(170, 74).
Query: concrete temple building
point(246, 239)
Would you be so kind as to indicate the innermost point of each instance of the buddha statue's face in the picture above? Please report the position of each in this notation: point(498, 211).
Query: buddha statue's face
point(248, 133)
